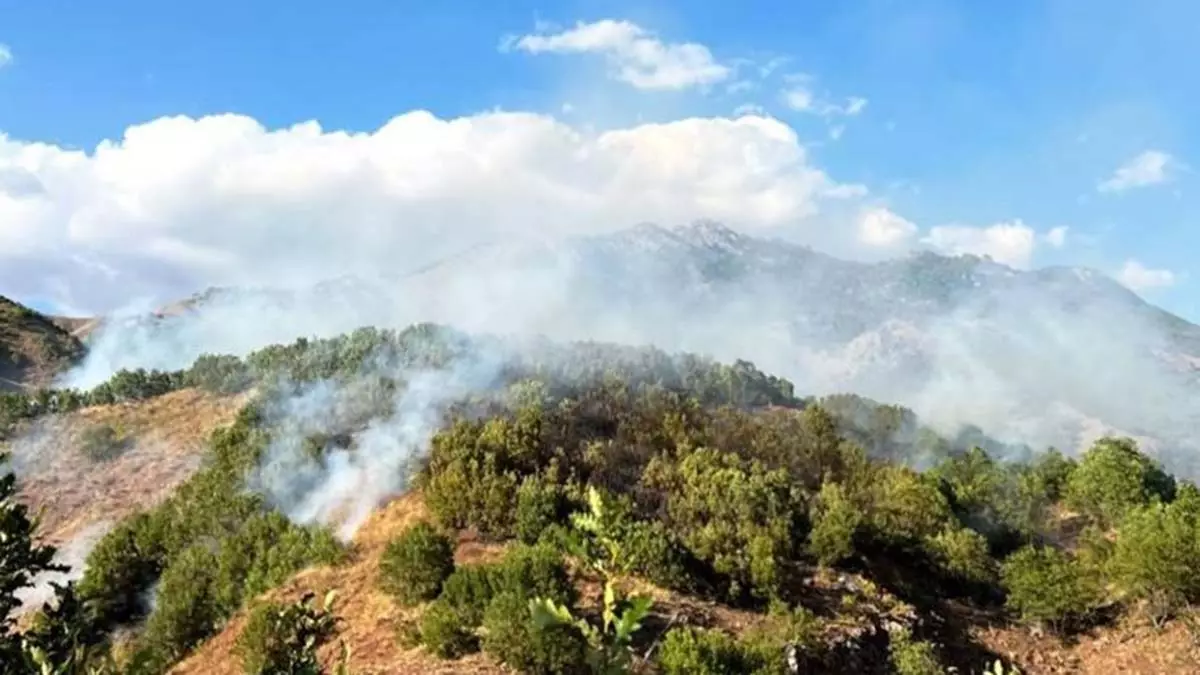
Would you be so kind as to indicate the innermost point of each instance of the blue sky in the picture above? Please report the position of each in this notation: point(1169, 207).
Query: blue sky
point(975, 113)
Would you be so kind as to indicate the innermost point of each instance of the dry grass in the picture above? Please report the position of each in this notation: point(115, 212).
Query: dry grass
point(1130, 648)
point(33, 348)
point(168, 435)
point(370, 619)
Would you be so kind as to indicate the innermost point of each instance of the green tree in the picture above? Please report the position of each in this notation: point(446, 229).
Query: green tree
point(1113, 478)
point(1046, 586)
point(283, 639)
point(620, 616)
point(415, 564)
point(21, 559)
point(1156, 556)
point(835, 522)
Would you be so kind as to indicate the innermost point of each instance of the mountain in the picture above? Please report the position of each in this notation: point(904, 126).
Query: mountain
point(1053, 356)
point(327, 460)
point(33, 347)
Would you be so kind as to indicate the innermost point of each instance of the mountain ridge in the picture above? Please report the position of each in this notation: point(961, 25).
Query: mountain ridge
point(1050, 356)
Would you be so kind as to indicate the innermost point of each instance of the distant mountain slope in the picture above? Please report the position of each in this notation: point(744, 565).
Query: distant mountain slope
point(33, 347)
point(1050, 356)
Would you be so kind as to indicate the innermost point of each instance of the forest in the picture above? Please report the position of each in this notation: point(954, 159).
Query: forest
point(609, 476)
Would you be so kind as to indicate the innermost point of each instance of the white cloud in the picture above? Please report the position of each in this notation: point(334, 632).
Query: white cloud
point(635, 55)
point(1148, 168)
point(799, 97)
point(6, 55)
point(879, 227)
point(1138, 277)
point(1057, 236)
point(181, 203)
point(1011, 243)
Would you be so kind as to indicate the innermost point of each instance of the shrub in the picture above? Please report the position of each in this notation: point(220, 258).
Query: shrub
point(121, 568)
point(913, 657)
point(535, 571)
point(186, 610)
point(1156, 556)
point(446, 632)
point(835, 521)
point(102, 443)
point(1113, 478)
point(475, 469)
point(738, 516)
point(469, 590)
point(513, 637)
point(283, 639)
point(1046, 586)
point(963, 554)
point(906, 506)
point(263, 553)
point(688, 651)
point(540, 505)
point(415, 564)
point(527, 571)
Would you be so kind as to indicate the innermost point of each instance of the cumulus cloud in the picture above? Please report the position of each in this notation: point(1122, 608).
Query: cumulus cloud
point(1148, 168)
point(180, 203)
point(1138, 277)
point(635, 55)
point(878, 226)
point(6, 55)
point(1011, 243)
point(1056, 236)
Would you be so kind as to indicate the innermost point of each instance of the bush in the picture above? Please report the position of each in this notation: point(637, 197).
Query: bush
point(835, 521)
point(913, 657)
point(263, 553)
point(736, 515)
point(540, 505)
point(283, 639)
point(121, 568)
point(535, 571)
point(475, 469)
point(415, 564)
point(527, 571)
point(446, 632)
point(906, 506)
point(1048, 587)
point(102, 443)
point(512, 636)
point(1113, 478)
point(186, 611)
point(1156, 556)
point(688, 651)
point(963, 554)
point(469, 590)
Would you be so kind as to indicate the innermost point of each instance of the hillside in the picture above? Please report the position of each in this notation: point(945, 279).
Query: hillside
point(960, 340)
point(438, 481)
point(33, 348)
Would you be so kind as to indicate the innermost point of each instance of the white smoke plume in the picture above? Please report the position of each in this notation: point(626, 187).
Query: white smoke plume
point(343, 485)
point(73, 555)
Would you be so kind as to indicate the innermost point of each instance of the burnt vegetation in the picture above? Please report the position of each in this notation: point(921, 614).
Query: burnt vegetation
point(848, 529)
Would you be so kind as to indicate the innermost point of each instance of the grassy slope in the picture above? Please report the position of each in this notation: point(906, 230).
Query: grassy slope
point(33, 347)
point(370, 621)
point(168, 435)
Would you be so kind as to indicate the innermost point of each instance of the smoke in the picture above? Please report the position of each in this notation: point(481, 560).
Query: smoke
point(1052, 357)
point(512, 223)
point(73, 555)
point(341, 485)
